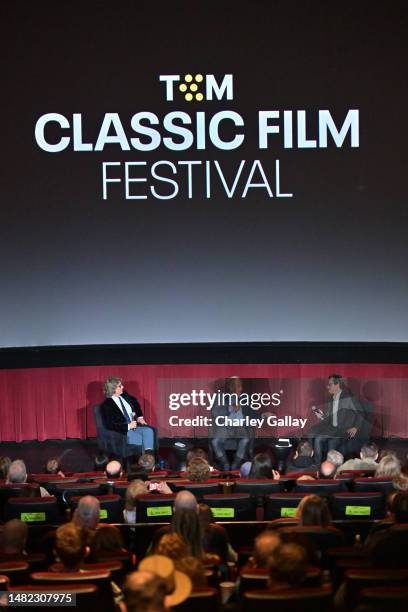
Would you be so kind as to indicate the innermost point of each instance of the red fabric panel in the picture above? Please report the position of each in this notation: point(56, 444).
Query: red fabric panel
point(56, 403)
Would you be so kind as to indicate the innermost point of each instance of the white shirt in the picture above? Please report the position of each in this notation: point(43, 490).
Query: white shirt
point(335, 408)
point(126, 404)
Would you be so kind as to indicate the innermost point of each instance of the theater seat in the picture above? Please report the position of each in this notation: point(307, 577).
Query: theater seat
point(359, 579)
point(385, 485)
point(322, 538)
point(199, 489)
point(202, 599)
point(66, 490)
point(288, 600)
point(33, 510)
point(386, 598)
point(101, 578)
point(231, 507)
point(17, 490)
point(282, 505)
point(16, 571)
point(352, 506)
point(321, 486)
point(253, 578)
point(152, 508)
point(258, 488)
point(114, 567)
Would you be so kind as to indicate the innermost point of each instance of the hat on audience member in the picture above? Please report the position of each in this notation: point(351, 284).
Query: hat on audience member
point(178, 584)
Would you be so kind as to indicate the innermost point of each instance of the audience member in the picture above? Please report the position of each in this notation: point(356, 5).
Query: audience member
point(287, 566)
point(15, 533)
point(143, 592)
point(264, 546)
point(147, 462)
point(303, 459)
point(135, 472)
point(134, 489)
point(107, 540)
point(215, 536)
point(336, 458)
point(177, 585)
point(70, 546)
point(201, 535)
point(113, 470)
point(198, 469)
point(313, 511)
point(327, 470)
point(5, 463)
point(53, 466)
point(87, 513)
point(17, 474)
point(185, 523)
point(101, 461)
point(367, 461)
point(195, 452)
point(262, 467)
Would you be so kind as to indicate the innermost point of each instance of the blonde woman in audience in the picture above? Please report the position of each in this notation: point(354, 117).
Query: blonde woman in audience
point(134, 490)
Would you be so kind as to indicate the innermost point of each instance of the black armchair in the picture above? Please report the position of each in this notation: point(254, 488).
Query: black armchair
point(112, 442)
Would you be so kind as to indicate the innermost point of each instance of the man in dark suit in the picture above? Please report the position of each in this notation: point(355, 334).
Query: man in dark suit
point(121, 412)
point(223, 415)
point(341, 420)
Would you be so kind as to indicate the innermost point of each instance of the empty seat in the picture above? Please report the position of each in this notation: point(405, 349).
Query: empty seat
point(282, 505)
point(352, 506)
point(232, 506)
point(152, 508)
point(33, 510)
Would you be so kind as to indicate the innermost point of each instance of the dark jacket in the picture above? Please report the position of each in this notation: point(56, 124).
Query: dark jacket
point(348, 414)
point(302, 464)
point(114, 418)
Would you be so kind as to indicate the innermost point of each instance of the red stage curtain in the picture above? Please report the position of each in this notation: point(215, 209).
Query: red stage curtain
point(56, 403)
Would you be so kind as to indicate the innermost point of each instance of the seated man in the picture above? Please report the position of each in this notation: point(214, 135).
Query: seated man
point(122, 413)
point(341, 420)
point(303, 459)
point(367, 461)
point(228, 422)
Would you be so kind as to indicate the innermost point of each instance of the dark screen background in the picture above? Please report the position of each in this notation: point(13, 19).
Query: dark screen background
point(328, 264)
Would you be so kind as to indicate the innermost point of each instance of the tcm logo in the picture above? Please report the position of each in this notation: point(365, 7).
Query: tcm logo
point(197, 87)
